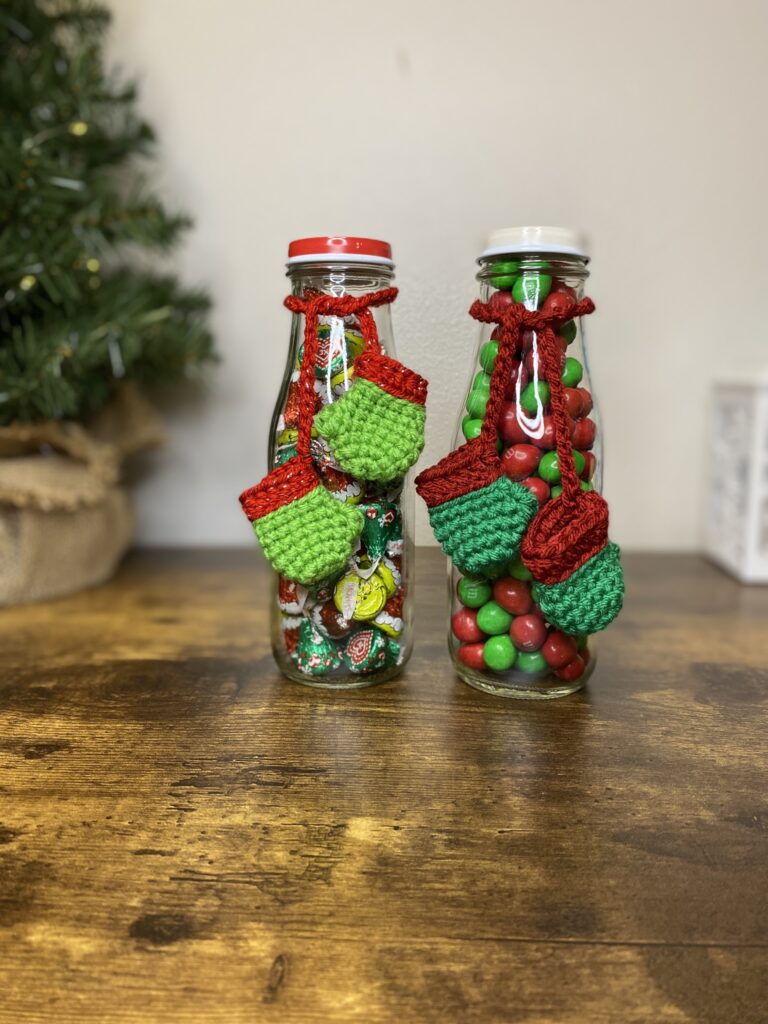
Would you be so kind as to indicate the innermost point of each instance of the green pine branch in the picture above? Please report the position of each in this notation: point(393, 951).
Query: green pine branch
point(74, 317)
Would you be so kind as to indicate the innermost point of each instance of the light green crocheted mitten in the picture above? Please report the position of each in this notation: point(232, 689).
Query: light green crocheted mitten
point(376, 429)
point(305, 533)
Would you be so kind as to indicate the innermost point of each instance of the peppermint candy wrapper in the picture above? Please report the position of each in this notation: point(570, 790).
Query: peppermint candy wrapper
point(336, 350)
point(340, 485)
point(394, 652)
point(291, 626)
point(366, 651)
point(381, 526)
point(283, 453)
point(329, 621)
point(316, 655)
point(392, 625)
point(291, 596)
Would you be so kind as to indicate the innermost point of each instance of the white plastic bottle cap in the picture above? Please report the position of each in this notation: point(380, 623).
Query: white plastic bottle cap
point(535, 239)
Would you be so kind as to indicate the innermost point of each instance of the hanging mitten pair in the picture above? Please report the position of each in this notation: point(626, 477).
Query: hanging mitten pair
point(482, 520)
point(375, 431)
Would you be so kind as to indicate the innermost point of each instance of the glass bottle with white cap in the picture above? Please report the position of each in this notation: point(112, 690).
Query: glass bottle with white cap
point(499, 639)
point(353, 629)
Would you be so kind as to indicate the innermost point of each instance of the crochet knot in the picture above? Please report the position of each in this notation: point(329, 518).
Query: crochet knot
point(320, 304)
point(316, 304)
point(515, 316)
point(512, 319)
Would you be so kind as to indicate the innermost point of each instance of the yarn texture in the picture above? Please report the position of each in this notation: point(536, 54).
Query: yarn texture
point(589, 599)
point(482, 529)
point(311, 537)
point(372, 433)
point(376, 429)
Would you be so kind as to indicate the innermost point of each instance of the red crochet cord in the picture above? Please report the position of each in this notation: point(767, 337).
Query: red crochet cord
point(512, 320)
point(317, 304)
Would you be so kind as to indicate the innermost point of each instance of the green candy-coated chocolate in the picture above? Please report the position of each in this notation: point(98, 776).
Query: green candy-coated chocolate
point(530, 661)
point(518, 569)
point(473, 593)
point(471, 427)
point(572, 372)
point(499, 653)
point(482, 382)
point(555, 492)
point(505, 268)
point(505, 283)
point(505, 274)
point(568, 331)
point(581, 642)
point(476, 403)
point(528, 397)
point(488, 354)
point(493, 619)
point(549, 466)
point(531, 289)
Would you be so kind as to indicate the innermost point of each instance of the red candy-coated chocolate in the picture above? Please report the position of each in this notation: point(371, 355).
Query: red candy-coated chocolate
point(561, 345)
point(557, 303)
point(465, 627)
point(520, 461)
point(500, 301)
point(586, 399)
point(538, 487)
point(518, 370)
point(571, 671)
point(562, 288)
point(528, 632)
point(513, 595)
point(573, 402)
point(526, 339)
point(559, 649)
point(585, 655)
point(583, 433)
point(510, 430)
point(547, 441)
point(472, 655)
point(590, 465)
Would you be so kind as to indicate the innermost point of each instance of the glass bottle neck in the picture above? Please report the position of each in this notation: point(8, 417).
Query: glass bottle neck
point(334, 278)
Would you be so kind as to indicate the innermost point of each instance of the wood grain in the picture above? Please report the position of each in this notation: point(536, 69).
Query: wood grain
point(185, 836)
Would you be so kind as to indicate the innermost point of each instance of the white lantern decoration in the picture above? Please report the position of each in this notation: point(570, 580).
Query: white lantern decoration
point(737, 519)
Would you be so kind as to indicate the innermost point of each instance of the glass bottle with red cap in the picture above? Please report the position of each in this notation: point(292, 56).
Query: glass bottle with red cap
point(500, 638)
point(352, 629)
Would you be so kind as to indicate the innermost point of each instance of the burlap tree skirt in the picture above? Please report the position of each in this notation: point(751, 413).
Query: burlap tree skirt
point(65, 521)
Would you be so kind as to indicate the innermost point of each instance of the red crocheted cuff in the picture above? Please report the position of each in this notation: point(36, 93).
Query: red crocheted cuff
point(468, 468)
point(282, 485)
point(391, 376)
point(564, 535)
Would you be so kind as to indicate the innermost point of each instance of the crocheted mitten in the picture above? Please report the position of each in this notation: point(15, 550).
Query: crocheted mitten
point(376, 429)
point(478, 515)
point(305, 533)
point(578, 579)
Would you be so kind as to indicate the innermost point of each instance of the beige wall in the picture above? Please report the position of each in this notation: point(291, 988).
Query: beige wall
point(429, 124)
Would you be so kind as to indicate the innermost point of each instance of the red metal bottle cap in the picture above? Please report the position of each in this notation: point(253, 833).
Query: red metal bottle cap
point(344, 248)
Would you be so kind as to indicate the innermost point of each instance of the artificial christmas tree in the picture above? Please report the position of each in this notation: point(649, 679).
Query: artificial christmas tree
point(78, 317)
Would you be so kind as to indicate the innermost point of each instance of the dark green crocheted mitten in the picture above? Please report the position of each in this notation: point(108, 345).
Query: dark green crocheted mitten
point(590, 599)
point(305, 533)
point(477, 514)
point(578, 579)
point(376, 429)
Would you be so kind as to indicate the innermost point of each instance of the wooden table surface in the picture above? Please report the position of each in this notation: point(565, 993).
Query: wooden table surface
point(184, 836)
